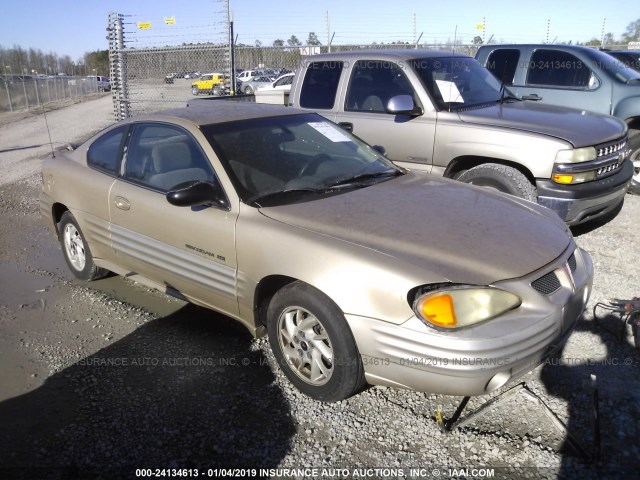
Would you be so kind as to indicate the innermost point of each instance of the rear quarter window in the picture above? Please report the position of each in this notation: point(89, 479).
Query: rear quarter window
point(104, 153)
point(320, 85)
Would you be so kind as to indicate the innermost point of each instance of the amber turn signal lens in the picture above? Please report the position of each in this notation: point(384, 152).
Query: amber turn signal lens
point(439, 310)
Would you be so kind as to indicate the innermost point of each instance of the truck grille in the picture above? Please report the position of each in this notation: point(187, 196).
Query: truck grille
point(610, 156)
point(608, 149)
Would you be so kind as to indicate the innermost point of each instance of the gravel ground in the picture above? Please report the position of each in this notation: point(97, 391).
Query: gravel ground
point(100, 379)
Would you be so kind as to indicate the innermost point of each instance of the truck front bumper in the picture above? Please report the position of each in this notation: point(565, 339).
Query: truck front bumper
point(583, 202)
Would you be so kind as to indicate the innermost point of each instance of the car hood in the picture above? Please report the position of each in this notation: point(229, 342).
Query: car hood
point(577, 127)
point(463, 233)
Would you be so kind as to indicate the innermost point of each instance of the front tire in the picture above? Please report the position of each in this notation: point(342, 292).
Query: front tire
point(76, 250)
point(501, 178)
point(313, 344)
point(194, 91)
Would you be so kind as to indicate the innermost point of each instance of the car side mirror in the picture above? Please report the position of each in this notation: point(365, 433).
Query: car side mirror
point(403, 105)
point(195, 193)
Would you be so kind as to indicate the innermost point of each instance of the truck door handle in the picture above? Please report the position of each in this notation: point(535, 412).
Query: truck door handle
point(122, 203)
point(532, 96)
point(347, 126)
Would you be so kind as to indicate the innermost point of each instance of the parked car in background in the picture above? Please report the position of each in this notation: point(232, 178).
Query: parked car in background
point(282, 83)
point(192, 75)
point(103, 84)
point(170, 77)
point(630, 58)
point(358, 271)
point(444, 113)
point(247, 75)
point(207, 83)
point(570, 76)
point(250, 86)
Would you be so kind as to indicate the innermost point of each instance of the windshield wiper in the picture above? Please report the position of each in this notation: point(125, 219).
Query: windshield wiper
point(257, 199)
point(366, 176)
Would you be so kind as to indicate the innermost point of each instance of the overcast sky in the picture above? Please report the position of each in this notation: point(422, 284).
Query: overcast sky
point(73, 27)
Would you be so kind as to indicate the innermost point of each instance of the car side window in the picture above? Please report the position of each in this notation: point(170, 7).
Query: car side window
point(163, 156)
point(373, 83)
point(284, 81)
point(503, 63)
point(558, 69)
point(104, 153)
point(320, 85)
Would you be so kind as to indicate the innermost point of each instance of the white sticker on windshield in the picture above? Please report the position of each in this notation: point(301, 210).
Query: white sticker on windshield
point(449, 92)
point(330, 132)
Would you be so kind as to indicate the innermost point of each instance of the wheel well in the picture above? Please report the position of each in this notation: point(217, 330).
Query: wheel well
point(57, 210)
point(633, 124)
point(460, 164)
point(265, 291)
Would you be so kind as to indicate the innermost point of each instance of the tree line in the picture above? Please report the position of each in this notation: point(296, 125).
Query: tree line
point(21, 61)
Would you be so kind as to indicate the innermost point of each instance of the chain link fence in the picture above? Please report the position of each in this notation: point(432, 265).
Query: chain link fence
point(24, 92)
point(153, 63)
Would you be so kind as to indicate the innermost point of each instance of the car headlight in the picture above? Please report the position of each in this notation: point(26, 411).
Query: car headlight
point(459, 307)
point(576, 155)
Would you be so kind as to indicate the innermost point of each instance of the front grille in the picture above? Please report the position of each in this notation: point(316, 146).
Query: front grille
point(607, 149)
point(547, 284)
point(572, 263)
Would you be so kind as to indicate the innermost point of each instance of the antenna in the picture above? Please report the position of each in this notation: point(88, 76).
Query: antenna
point(44, 114)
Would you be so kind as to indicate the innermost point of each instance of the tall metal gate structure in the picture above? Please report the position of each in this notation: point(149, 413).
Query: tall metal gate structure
point(152, 60)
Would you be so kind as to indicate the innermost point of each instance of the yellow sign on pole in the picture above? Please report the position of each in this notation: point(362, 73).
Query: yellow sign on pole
point(144, 25)
point(170, 20)
point(480, 26)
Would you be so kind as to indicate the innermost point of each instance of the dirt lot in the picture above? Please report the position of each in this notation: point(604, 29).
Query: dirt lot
point(101, 379)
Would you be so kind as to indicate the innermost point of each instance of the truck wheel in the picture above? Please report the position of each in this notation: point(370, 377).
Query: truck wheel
point(501, 178)
point(248, 90)
point(313, 344)
point(634, 145)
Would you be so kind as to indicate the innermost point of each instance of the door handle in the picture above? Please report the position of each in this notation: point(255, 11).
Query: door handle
point(348, 126)
point(122, 203)
point(532, 96)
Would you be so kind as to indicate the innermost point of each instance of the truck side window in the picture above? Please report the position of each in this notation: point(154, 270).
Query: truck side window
point(373, 83)
point(503, 64)
point(558, 69)
point(320, 85)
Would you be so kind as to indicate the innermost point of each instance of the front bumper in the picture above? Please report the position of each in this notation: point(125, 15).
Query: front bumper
point(479, 359)
point(583, 202)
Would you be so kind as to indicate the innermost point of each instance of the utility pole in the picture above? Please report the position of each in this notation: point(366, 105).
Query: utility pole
point(548, 29)
point(328, 32)
point(604, 26)
point(414, 31)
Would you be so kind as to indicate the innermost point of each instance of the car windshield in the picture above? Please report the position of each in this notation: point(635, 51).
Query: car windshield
point(457, 82)
point(615, 67)
point(293, 158)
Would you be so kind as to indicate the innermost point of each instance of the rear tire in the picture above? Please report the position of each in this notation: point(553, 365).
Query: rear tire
point(501, 178)
point(76, 250)
point(313, 344)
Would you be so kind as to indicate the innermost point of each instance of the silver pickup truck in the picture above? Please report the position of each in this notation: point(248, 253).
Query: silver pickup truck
point(444, 113)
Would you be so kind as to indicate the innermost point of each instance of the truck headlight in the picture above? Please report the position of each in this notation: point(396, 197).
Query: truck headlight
point(463, 306)
point(576, 155)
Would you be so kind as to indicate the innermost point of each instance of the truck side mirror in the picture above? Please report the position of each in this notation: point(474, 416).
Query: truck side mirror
point(402, 105)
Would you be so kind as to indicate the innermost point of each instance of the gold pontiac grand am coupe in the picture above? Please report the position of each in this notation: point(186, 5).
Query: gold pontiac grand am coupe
point(359, 271)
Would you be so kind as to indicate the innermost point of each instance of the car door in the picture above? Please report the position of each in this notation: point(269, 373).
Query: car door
point(407, 140)
point(188, 250)
point(561, 78)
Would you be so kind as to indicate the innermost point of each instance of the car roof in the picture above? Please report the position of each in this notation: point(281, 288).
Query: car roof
point(209, 112)
point(397, 54)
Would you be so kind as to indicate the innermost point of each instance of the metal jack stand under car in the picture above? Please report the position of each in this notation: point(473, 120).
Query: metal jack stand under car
point(447, 425)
